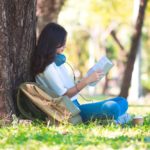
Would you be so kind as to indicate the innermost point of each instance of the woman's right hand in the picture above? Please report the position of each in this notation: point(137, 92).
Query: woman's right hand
point(95, 76)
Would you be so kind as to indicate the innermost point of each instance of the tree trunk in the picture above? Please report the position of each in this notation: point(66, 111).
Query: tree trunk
point(47, 11)
point(17, 40)
point(133, 50)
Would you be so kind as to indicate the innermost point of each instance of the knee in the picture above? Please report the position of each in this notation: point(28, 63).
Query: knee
point(111, 109)
point(124, 102)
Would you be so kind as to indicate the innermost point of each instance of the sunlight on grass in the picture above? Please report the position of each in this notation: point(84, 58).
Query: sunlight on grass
point(92, 136)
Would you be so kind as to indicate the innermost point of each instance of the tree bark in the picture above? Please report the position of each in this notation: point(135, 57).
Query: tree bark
point(17, 34)
point(133, 50)
point(47, 11)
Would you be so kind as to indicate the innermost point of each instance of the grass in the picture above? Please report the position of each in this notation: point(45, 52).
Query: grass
point(92, 136)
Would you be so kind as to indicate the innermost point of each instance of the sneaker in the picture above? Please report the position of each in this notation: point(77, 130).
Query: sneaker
point(125, 118)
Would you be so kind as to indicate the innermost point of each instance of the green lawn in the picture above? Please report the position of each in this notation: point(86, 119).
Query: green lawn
point(93, 136)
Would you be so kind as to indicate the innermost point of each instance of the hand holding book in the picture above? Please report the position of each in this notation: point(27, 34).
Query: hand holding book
point(102, 66)
point(94, 77)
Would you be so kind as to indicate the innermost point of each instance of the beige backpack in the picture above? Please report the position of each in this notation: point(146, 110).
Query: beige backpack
point(37, 102)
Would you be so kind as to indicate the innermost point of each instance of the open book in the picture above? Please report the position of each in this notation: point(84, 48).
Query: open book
point(104, 65)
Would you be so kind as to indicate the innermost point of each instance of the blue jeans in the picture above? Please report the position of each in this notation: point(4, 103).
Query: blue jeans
point(111, 108)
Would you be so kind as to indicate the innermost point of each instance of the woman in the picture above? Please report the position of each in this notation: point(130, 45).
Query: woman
point(48, 64)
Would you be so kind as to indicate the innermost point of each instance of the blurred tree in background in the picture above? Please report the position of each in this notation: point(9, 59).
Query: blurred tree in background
point(134, 49)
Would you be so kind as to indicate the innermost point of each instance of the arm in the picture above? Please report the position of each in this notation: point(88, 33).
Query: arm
point(83, 83)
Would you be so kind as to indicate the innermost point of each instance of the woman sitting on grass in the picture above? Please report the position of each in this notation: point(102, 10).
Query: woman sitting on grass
point(49, 65)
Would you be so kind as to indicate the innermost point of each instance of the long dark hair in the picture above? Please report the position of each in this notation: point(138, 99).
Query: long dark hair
point(52, 37)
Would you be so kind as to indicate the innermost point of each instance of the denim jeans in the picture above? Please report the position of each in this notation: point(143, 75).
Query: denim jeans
point(111, 108)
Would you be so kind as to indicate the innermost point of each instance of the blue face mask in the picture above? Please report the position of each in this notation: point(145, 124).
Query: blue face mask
point(60, 59)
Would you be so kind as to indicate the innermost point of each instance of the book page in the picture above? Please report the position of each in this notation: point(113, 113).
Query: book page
point(104, 65)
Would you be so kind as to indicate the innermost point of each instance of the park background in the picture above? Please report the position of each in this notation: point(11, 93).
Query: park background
point(97, 28)
point(115, 28)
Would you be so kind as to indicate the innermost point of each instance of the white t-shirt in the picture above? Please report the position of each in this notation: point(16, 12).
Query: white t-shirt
point(56, 78)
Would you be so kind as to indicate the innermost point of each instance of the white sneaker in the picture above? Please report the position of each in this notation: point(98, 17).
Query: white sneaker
point(125, 118)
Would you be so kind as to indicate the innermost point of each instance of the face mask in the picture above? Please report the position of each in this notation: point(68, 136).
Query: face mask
point(60, 59)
